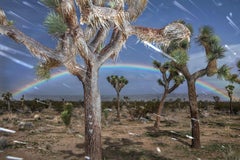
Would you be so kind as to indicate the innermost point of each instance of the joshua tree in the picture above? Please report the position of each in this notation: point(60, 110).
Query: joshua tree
point(95, 35)
point(118, 83)
point(229, 88)
point(7, 98)
point(216, 99)
point(214, 51)
point(168, 75)
point(22, 100)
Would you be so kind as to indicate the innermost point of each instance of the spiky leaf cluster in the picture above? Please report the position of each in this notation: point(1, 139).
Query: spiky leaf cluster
point(117, 82)
point(180, 56)
point(223, 72)
point(42, 71)
point(160, 82)
point(230, 89)
point(205, 33)
point(232, 78)
point(156, 64)
point(51, 3)
point(55, 24)
point(7, 96)
point(178, 79)
point(238, 65)
point(217, 52)
point(211, 42)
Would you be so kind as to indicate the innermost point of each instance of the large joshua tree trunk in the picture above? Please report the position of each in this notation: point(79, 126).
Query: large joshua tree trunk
point(194, 114)
point(92, 104)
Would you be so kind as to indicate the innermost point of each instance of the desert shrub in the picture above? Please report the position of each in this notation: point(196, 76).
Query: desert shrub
point(66, 114)
point(224, 106)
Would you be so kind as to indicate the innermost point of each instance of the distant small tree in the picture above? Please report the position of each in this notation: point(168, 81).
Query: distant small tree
point(229, 88)
point(118, 83)
point(22, 100)
point(216, 99)
point(168, 75)
point(7, 98)
point(178, 102)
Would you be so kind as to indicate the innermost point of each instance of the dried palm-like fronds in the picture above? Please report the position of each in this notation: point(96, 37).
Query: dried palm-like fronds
point(68, 12)
point(163, 37)
point(104, 17)
point(85, 7)
point(3, 20)
point(135, 8)
point(175, 32)
point(98, 2)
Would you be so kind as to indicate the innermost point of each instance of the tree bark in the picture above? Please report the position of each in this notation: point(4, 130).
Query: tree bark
point(92, 104)
point(194, 114)
point(118, 106)
point(160, 107)
point(9, 107)
point(212, 65)
point(212, 68)
point(230, 107)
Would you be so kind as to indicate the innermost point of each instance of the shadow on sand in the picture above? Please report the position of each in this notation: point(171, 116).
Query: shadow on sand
point(122, 149)
point(177, 136)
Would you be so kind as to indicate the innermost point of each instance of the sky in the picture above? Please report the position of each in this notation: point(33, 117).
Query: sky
point(17, 72)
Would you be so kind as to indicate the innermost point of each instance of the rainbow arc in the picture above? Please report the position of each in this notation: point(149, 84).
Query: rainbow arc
point(37, 83)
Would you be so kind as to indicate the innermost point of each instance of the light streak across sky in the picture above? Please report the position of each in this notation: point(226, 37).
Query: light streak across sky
point(16, 60)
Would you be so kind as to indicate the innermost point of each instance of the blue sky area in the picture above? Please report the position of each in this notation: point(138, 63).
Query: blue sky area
point(17, 64)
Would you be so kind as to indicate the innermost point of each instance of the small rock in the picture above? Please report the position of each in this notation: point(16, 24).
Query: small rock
point(25, 125)
point(205, 114)
point(3, 142)
point(57, 120)
point(37, 117)
point(49, 117)
point(151, 117)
